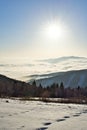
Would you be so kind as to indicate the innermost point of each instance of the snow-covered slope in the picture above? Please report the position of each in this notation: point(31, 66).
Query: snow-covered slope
point(70, 79)
point(24, 115)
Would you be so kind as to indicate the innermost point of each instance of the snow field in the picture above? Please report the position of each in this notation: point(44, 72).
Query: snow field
point(35, 115)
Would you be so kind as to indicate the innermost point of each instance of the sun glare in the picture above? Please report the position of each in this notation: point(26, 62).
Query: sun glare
point(55, 31)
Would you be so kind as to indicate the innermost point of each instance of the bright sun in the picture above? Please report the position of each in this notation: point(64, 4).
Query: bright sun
point(55, 31)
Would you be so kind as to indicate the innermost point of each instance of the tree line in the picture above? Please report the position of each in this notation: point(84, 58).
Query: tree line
point(14, 88)
point(58, 91)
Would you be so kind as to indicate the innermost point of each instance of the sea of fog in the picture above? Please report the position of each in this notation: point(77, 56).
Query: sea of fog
point(25, 69)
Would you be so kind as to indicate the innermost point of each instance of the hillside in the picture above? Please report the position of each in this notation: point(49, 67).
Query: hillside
point(70, 79)
point(11, 87)
point(14, 88)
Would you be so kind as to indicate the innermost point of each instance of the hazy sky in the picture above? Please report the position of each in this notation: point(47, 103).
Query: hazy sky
point(24, 26)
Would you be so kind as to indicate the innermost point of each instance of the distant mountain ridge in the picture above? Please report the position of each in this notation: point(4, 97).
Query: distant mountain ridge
point(64, 58)
point(73, 79)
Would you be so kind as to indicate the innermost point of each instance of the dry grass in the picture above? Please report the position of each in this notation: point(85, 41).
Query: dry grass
point(57, 100)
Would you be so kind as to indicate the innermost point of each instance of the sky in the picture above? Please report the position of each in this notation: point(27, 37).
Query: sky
point(25, 33)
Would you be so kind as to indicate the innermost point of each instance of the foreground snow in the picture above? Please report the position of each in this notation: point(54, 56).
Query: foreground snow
point(24, 115)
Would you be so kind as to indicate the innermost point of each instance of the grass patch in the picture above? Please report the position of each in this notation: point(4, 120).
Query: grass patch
point(57, 100)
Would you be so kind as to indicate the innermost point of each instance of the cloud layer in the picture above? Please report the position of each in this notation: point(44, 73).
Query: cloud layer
point(32, 69)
